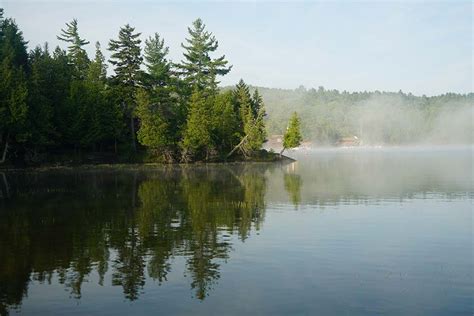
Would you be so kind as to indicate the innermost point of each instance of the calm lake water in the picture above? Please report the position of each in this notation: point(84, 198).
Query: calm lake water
point(339, 232)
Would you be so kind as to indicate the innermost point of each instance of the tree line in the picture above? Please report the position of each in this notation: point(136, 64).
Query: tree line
point(62, 102)
point(376, 117)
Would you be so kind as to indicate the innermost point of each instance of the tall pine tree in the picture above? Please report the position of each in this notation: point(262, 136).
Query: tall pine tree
point(126, 58)
point(76, 52)
point(157, 108)
point(198, 67)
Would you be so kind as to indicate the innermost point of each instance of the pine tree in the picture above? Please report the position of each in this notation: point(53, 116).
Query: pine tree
point(40, 103)
point(13, 88)
point(76, 52)
point(158, 67)
point(251, 112)
point(292, 137)
point(257, 103)
point(126, 57)
point(197, 135)
point(101, 115)
point(242, 103)
point(154, 129)
point(225, 122)
point(1, 25)
point(97, 71)
point(259, 113)
point(157, 108)
point(198, 67)
point(58, 84)
point(158, 77)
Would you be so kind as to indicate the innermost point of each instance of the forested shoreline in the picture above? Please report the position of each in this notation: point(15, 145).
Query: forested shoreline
point(375, 117)
point(61, 105)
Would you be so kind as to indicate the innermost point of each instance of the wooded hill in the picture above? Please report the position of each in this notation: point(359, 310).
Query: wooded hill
point(374, 117)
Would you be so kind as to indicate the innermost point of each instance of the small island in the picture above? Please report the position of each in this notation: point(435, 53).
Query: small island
point(61, 107)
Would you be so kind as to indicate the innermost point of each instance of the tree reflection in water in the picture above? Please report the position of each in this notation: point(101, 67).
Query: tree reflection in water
point(62, 227)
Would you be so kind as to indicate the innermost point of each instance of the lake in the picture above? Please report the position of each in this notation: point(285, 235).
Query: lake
point(338, 232)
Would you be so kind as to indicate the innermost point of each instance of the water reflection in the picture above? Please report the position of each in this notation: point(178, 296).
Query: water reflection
point(293, 184)
point(352, 176)
point(69, 225)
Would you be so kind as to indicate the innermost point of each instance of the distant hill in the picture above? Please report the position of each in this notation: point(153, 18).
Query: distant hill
point(374, 117)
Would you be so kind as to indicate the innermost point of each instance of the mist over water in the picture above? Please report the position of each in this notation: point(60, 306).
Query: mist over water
point(394, 120)
point(340, 231)
point(376, 118)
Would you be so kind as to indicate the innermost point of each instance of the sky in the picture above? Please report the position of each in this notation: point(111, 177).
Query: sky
point(417, 47)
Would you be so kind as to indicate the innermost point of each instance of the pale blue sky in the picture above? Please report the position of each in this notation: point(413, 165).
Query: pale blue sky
point(418, 47)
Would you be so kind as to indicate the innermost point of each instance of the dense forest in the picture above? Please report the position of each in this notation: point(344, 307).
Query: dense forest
point(62, 104)
point(376, 118)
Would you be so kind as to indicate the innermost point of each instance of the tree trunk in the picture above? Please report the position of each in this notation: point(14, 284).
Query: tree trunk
point(5, 150)
point(238, 145)
point(132, 130)
point(5, 182)
point(281, 152)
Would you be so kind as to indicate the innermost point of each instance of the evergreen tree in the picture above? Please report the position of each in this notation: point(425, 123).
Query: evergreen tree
point(242, 103)
point(256, 103)
point(58, 82)
point(40, 102)
point(154, 129)
point(197, 137)
point(225, 122)
point(198, 67)
point(158, 108)
point(158, 67)
point(292, 137)
point(126, 58)
point(13, 88)
point(76, 52)
point(251, 112)
point(97, 71)
point(1, 26)
point(103, 119)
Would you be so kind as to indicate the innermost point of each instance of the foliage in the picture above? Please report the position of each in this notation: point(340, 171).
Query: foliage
point(13, 88)
point(374, 117)
point(63, 102)
point(126, 59)
point(198, 67)
point(76, 53)
point(292, 137)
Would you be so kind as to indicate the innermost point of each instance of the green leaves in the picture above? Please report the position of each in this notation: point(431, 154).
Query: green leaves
point(126, 57)
point(198, 68)
point(76, 53)
point(64, 100)
point(292, 137)
point(13, 84)
point(197, 135)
